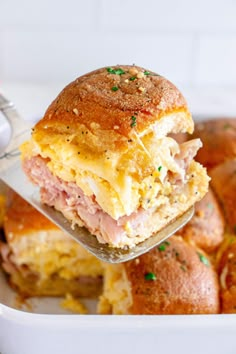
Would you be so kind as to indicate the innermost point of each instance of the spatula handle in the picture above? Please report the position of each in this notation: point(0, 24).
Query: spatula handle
point(20, 131)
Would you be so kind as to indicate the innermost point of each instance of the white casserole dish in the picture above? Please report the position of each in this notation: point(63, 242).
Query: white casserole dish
point(47, 329)
point(36, 333)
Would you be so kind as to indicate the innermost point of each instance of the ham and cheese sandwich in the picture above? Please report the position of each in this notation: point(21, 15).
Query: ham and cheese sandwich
point(41, 260)
point(102, 156)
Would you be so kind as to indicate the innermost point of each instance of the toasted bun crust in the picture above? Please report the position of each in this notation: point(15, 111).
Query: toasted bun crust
point(219, 141)
point(90, 104)
point(223, 182)
point(206, 228)
point(2, 208)
point(183, 284)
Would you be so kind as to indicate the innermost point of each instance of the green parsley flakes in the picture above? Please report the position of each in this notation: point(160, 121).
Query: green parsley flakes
point(114, 88)
point(150, 276)
point(183, 268)
point(147, 72)
point(163, 245)
point(134, 121)
point(118, 71)
point(132, 78)
point(159, 168)
point(203, 259)
point(226, 126)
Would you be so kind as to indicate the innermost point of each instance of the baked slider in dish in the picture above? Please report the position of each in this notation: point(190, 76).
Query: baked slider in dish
point(173, 278)
point(227, 274)
point(223, 183)
point(206, 228)
point(102, 157)
point(42, 260)
point(219, 140)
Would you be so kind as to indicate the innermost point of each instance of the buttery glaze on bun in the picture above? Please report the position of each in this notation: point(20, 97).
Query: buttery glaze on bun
point(174, 278)
point(101, 154)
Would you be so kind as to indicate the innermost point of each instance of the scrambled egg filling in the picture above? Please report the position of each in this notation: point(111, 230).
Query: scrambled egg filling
point(117, 294)
point(136, 178)
point(66, 259)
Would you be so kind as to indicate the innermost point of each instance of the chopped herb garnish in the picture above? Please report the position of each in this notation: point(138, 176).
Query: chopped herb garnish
point(150, 276)
point(116, 71)
point(162, 247)
point(159, 168)
point(132, 78)
point(231, 240)
point(115, 88)
point(203, 259)
point(133, 124)
point(147, 73)
point(183, 268)
point(227, 126)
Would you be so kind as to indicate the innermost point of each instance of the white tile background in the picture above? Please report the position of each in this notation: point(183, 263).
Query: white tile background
point(45, 42)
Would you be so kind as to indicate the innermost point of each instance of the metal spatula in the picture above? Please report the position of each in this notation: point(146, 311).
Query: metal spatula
point(12, 174)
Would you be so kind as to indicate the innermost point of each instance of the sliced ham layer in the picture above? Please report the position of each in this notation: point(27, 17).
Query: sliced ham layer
point(71, 201)
point(68, 198)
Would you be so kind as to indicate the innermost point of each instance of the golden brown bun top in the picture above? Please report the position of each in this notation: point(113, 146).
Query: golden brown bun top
point(183, 284)
point(22, 219)
point(106, 100)
point(219, 141)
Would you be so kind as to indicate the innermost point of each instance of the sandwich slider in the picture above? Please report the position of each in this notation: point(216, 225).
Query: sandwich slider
point(41, 260)
point(102, 155)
